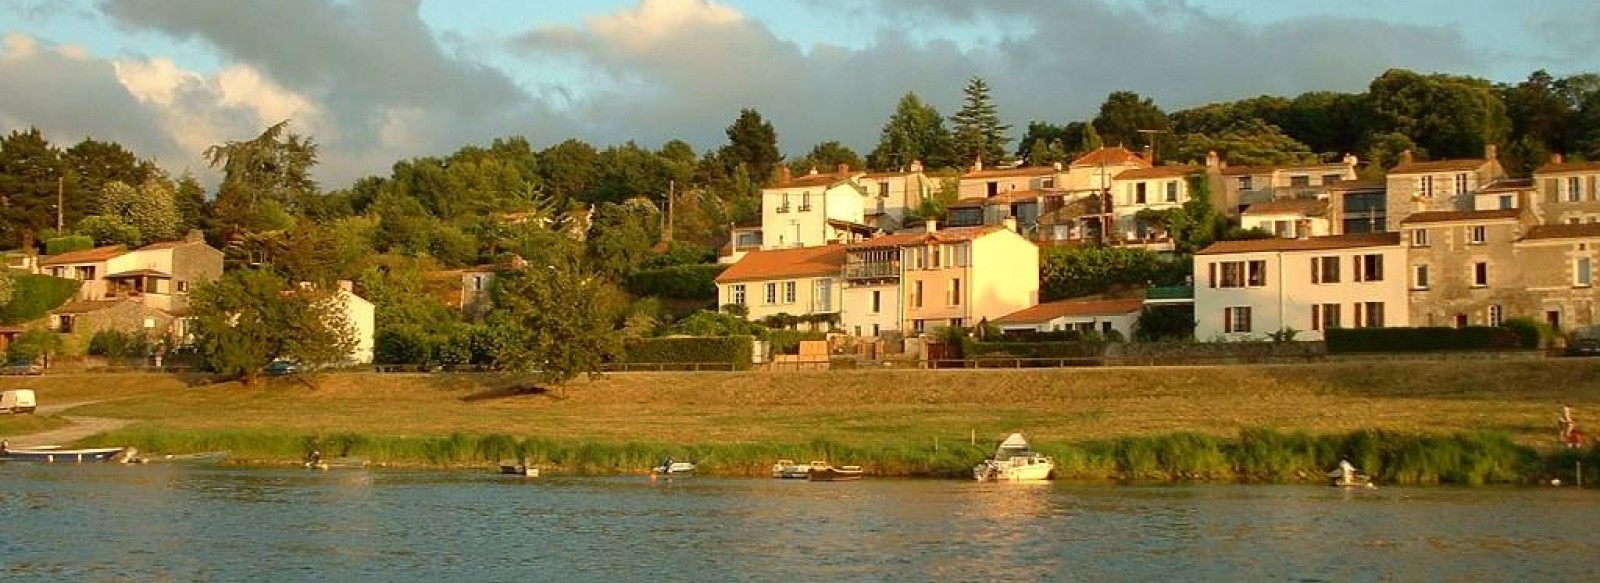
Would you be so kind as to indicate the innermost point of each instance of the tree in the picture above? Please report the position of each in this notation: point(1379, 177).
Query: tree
point(827, 156)
point(190, 198)
point(559, 322)
point(1164, 324)
point(621, 236)
point(1449, 116)
point(249, 317)
point(1124, 113)
point(1251, 142)
point(915, 132)
point(978, 133)
point(569, 170)
point(263, 179)
point(1329, 123)
point(149, 209)
point(32, 174)
point(1074, 272)
point(752, 144)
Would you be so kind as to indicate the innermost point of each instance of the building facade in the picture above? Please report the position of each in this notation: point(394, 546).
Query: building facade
point(1253, 289)
point(803, 281)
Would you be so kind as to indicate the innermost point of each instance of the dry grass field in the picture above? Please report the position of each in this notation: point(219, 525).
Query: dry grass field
point(865, 408)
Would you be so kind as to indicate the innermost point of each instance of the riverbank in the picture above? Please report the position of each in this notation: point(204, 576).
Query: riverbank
point(1455, 422)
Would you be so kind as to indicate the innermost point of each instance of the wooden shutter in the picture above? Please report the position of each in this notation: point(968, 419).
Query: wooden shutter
point(1227, 320)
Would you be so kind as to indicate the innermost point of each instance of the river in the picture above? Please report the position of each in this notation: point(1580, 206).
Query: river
point(198, 523)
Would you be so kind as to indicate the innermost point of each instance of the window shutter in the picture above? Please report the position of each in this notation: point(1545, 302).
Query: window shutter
point(1358, 316)
point(1213, 266)
point(1316, 317)
point(1356, 268)
point(1227, 320)
point(1316, 270)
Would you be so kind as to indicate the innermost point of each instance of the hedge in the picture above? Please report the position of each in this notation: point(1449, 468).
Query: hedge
point(34, 295)
point(687, 282)
point(68, 243)
point(1347, 340)
point(735, 350)
point(1080, 349)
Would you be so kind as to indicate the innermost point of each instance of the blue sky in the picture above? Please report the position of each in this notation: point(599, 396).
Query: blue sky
point(375, 81)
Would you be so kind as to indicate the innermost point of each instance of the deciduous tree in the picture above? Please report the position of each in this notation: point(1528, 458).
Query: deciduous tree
point(561, 324)
point(915, 132)
point(249, 317)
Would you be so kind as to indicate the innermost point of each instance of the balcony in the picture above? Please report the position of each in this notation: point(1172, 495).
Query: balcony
point(805, 208)
point(782, 208)
point(875, 270)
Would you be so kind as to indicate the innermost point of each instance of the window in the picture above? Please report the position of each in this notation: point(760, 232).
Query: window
point(1324, 316)
point(877, 302)
point(183, 287)
point(1419, 277)
point(1139, 193)
point(1425, 188)
point(916, 295)
point(1574, 189)
point(1245, 183)
point(937, 256)
point(1300, 181)
point(1240, 274)
point(1324, 270)
point(1369, 314)
point(1236, 319)
point(1049, 182)
point(1507, 202)
point(805, 201)
point(1461, 183)
point(1369, 267)
point(875, 330)
point(1331, 178)
point(952, 294)
point(1258, 273)
point(1480, 274)
point(1105, 328)
point(1495, 315)
point(883, 192)
point(772, 294)
point(1461, 320)
point(992, 189)
point(1172, 191)
point(1232, 274)
point(1582, 274)
point(919, 326)
point(963, 250)
point(1419, 237)
point(788, 292)
point(822, 294)
point(736, 294)
point(1477, 234)
point(783, 207)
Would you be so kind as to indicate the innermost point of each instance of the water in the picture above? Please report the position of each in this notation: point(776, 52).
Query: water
point(174, 523)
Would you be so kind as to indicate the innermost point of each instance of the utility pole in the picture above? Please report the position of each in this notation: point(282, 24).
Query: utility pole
point(61, 182)
point(666, 230)
point(1150, 135)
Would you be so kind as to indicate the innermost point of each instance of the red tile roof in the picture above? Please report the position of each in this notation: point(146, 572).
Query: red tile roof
point(1553, 168)
point(951, 235)
point(1012, 172)
point(163, 245)
point(1447, 216)
point(1112, 156)
point(826, 180)
point(1579, 231)
point(1050, 311)
point(1260, 170)
point(94, 255)
point(785, 263)
point(1438, 166)
point(1307, 244)
point(1159, 172)
point(1311, 207)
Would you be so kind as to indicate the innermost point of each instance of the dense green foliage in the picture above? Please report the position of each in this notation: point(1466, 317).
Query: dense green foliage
point(1044, 349)
point(250, 317)
point(34, 295)
point(1074, 272)
point(33, 345)
point(558, 322)
point(1349, 340)
point(68, 243)
point(116, 344)
point(1160, 323)
point(689, 282)
point(733, 350)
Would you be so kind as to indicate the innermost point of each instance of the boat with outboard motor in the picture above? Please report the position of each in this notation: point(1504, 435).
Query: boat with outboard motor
point(1015, 461)
point(58, 455)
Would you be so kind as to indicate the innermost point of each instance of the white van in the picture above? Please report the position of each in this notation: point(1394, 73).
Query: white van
point(17, 401)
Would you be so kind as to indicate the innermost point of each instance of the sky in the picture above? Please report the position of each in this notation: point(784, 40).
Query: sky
point(378, 81)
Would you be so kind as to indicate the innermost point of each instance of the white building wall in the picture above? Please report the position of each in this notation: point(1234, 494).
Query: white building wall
point(1285, 300)
point(858, 317)
point(361, 314)
point(1320, 226)
point(806, 301)
point(798, 216)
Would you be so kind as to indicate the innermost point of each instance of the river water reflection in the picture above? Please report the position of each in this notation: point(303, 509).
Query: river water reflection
point(113, 523)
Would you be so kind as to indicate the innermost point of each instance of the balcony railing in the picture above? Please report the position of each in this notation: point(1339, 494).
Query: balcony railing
point(871, 270)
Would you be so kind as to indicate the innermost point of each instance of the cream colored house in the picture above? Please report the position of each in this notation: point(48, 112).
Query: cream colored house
point(361, 314)
point(1243, 186)
point(1442, 185)
point(1289, 218)
point(961, 276)
point(1248, 290)
point(160, 275)
point(1567, 192)
point(800, 281)
point(1158, 188)
point(981, 183)
point(813, 210)
point(872, 275)
point(1463, 266)
point(890, 195)
point(1504, 194)
point(1097, 316)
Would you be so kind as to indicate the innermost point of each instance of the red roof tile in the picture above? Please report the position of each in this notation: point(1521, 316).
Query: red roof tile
point(1554, 168)
point(1438, 166)
point(1159, 172)
point(1012, 172)
point(1311, 207)
point(1307, 244)
point(1579, 231)
point(1112, 156)
point(1508, 185)
point(94, 255)
point(1050, 311)
point(951, 235)
point(783, 263)
point(1447, 216)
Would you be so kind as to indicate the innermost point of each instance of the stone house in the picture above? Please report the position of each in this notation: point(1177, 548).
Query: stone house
point(84, 318)
point(1243, 186)
point(1558, 266)
point(1567, 192)
point(1464, 267)
point(1441, 185)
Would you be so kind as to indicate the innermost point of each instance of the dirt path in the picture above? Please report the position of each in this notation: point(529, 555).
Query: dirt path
point(80, 428)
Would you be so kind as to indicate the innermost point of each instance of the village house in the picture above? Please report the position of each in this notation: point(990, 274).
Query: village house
point(1098, 316)
point(362, 317)
point(1149, 189)
point(1358, 206)
point(1289, 218)
point(155, 279)
point(1251, 289)
point(813, 210)
point(1441, 185)
point(1558, 268)
point(872, 276)
point(801, 281)
point(1464, 267)
point(1567, 192)
point(1504, 194)
point(1243, 186)
point(891, 195)
point(960, 276)
point(984, 183)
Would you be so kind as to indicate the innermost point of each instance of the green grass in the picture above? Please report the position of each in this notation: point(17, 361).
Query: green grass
point(25, 424)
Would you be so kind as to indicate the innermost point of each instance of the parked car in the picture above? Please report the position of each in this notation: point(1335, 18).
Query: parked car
point(1584, 347)
point(280, 367)
point(22, 368)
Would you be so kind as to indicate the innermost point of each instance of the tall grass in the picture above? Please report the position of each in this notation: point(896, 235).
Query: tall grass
point(1256, 455)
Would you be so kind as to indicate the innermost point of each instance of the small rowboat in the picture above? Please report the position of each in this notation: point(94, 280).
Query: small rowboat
point(209, 457)
point(523, 469)
point(66, 456)
point(834, 474)
point(337, 463)
point(788, 470)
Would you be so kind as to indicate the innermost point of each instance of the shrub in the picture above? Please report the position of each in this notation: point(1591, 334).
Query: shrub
point(735, 350)
point(33, 344)
point(788, 341)
point(1346, 340)
point(1530, 332)
point(33, 296)
point(688, 282)
point(1055, 349)
point(67, 243)
point(1164, 323)
point(112, 343)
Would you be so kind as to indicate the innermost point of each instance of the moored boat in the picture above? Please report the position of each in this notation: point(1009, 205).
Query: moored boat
point(55, 455)
point(829, 473)
point(522, 468)
point(788, 470)
point(209, 457)
point(1015, 461)
point(669, 468)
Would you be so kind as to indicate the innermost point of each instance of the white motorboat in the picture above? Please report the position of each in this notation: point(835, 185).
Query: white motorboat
point(789, 470)
point(667, 467)
point(1015, 461)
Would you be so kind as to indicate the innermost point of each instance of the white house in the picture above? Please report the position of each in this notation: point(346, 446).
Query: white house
point(802, 281)
point(813, 210)
point(1253, 288)
point(1289, 218)
point(1100, 316)
point(360, 313)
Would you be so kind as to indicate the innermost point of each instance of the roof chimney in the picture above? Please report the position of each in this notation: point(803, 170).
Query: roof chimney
point(1351, 160)
point(783, 174)
point(930, 226)
point(1556, 158)
point(977, 166)
point(813, 170)
point(844, 170)
point(916, 165)
point(195, 236)
point(1491, 152)
point(1405, 157)
point(1212, 159)
point(347, 286)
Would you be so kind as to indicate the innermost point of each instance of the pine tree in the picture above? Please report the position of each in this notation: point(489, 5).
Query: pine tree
point(978, 131)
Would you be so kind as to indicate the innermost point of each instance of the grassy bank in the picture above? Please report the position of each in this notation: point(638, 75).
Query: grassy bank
point(1416, 422)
